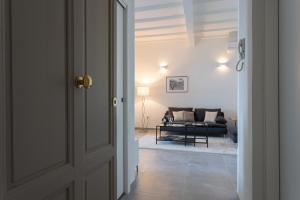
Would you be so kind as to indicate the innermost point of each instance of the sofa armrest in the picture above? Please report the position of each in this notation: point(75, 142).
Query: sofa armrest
point(221, 120)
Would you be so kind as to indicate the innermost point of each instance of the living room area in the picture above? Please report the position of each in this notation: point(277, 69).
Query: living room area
point(187, 94)
point(186, 99)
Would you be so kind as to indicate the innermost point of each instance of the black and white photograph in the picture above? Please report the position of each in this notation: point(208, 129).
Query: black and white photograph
point(177, 84)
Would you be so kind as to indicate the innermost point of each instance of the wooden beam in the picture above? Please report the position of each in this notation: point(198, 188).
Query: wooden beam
point(155, 19)
point(188, 8)
point(203, 22)
point(207, 1)
point(216, 29)
point(158, 6)
point(216, 11)
point(159, 35)
point(160, 27)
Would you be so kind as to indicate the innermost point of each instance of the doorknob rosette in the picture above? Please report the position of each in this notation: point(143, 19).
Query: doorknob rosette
point(85, 81)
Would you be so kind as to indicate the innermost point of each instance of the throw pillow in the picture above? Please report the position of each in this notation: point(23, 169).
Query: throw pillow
point(176, 109)
point(210, 116)
point(188, 116)
point(178, 116)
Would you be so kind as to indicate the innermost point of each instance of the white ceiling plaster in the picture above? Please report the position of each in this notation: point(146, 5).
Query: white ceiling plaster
point(191, 20)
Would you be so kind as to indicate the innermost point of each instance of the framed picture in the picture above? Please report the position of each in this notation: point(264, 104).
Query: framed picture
point(177, 84)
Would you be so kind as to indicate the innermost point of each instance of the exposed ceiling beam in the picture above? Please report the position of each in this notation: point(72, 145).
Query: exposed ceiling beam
point(141, 40)
point(154, 19)
point(158, 6)
point(216, 11)
point(160, 35)
point(189, 20)
point(213, 37)
point(216, 29)
point(217, 21)
point(160, 27)
point(207, 1)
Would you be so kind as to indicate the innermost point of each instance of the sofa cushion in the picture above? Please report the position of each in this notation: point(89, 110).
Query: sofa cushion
point(200, 113)
point(172, 109)
point(216, 125)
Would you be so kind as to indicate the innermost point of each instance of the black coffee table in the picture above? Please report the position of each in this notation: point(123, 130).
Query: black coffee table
point(183, 133)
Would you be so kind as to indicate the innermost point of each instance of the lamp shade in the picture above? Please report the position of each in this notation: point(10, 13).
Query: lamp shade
point(143, 91)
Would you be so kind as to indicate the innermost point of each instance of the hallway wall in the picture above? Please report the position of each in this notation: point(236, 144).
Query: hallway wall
point(289, 67)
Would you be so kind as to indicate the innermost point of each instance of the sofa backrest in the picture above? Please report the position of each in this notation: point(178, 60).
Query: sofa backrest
point(175, 109)
point(200, 113)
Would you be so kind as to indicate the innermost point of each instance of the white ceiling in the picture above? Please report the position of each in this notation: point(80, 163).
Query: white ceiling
point(191, 20)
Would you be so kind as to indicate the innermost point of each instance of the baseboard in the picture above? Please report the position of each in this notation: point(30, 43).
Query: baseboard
point(133, 184)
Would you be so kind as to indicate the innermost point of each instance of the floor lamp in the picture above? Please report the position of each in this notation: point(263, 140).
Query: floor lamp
point(143, 92)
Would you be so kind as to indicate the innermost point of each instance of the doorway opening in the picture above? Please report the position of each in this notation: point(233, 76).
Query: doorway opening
point(186, 98)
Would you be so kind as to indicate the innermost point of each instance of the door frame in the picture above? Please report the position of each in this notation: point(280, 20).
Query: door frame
point(264, 61)
point(3, 33)
point(124, 4)
point(262, 181)
point(264, 41)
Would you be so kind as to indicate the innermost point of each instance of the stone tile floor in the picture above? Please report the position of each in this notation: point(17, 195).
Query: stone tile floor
point(180, 175)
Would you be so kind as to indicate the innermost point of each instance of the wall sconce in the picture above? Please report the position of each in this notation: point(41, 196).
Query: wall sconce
point(164, 68)
point(222, 60)
point(222, 64)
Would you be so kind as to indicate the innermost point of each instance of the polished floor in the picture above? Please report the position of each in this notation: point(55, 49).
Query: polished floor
point(180, 175)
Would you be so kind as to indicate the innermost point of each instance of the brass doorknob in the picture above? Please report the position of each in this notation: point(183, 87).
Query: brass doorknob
point(85, 81)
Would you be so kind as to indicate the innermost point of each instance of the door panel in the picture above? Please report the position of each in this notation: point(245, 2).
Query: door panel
point(65, 194)
point(98, 183)
point(98, 66)
point(100, 150)
point(40, 117)
point(59, 140)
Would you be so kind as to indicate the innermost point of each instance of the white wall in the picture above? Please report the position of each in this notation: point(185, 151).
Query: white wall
point(289, 68)
point(209, 86)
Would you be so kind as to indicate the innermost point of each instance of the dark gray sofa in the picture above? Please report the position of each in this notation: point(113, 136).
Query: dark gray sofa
point(219, 128)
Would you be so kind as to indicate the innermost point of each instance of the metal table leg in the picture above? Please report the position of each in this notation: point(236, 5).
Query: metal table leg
point(206, 135)
point(156, 135)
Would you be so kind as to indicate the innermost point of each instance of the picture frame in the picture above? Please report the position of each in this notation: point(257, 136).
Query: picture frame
point(177, 84)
